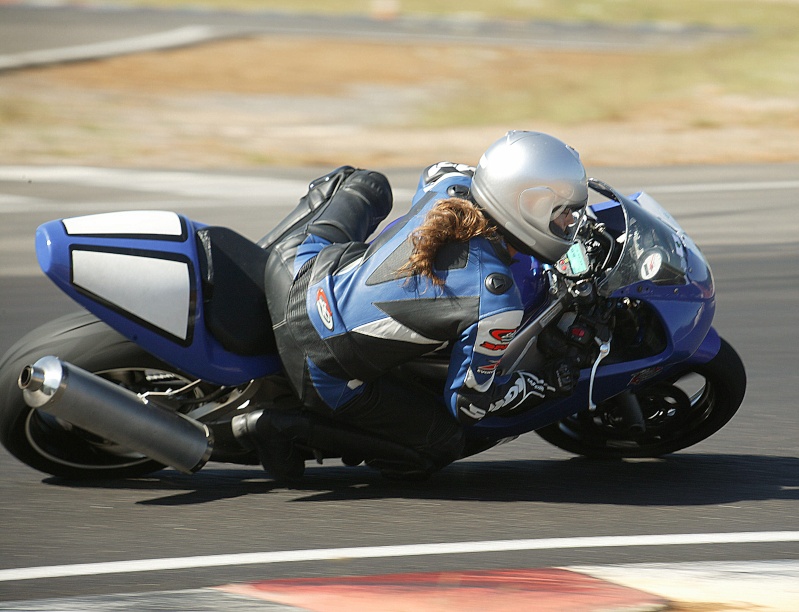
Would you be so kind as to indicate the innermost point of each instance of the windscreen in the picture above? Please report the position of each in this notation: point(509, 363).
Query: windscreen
point(653, 248)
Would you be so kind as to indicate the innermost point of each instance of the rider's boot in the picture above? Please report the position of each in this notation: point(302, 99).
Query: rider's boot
point(274, 435)
point(345, 205)
point(319, 192)
point(355, 210)
point(448, 447)
point(275, 447)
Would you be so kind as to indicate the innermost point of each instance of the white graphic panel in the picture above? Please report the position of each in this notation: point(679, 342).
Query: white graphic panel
point(155, 290)
point(136, 222)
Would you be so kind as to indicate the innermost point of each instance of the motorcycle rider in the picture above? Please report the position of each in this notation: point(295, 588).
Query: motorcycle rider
point(345, 313)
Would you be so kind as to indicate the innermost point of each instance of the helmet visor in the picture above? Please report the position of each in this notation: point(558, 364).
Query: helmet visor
point(565, 219)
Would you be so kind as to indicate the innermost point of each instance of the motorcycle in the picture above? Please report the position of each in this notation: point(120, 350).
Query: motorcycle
point(174, 353)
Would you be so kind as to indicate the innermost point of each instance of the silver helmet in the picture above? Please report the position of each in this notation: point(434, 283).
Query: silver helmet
point(534, 187)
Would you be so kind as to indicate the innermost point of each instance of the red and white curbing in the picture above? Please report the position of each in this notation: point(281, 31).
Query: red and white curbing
point(767, 586)
point(543, 590)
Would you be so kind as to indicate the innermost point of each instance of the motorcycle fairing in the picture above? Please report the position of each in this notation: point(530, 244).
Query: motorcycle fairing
point(611, 380)
point(102, 275)
point(683, 299)
point(139, 271)
point(661, 265)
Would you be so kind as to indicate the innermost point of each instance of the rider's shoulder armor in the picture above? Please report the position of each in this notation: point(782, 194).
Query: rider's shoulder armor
point(447, 179)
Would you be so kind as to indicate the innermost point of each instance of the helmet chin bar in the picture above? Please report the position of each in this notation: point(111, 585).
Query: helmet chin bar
point(521, 246)
point(525, 248)
point(517, 243)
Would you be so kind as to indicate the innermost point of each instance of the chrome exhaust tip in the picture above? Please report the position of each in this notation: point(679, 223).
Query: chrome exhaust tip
point(115, 413)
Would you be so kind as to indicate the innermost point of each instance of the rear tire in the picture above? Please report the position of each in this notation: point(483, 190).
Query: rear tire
point(51, 445)
point(678, 413)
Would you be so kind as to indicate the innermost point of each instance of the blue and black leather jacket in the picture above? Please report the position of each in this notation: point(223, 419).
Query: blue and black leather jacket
point(361, 316)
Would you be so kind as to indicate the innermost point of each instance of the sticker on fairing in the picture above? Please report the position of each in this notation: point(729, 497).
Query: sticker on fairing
point(651, 265)
point(645, 375)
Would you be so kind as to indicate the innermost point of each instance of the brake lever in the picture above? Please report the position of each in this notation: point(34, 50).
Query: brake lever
point(604, 351)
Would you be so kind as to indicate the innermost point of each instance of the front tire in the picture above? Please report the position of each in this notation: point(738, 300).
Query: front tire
point(53, 446)
point(678, 413)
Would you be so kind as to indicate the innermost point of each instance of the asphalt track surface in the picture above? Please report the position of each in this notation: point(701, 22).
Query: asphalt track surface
point(718, 522)
point(522, 505)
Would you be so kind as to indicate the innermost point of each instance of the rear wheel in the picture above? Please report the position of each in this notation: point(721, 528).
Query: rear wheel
point(677, 413)
point(54, 446)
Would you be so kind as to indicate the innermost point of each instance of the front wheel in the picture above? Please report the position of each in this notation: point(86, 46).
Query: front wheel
point(678, 413)
point(54, 446)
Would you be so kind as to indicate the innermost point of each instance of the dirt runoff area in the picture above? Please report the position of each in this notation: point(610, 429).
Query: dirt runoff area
point(290, 101)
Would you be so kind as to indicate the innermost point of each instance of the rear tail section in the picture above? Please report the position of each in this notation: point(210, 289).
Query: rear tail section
point(149, 275)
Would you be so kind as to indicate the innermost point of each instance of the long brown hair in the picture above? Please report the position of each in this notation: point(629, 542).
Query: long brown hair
point(450, 220)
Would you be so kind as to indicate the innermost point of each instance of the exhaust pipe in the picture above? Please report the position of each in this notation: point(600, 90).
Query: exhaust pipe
point(112, 412)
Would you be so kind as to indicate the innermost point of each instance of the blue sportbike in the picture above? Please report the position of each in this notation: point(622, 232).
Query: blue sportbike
point(174, 346)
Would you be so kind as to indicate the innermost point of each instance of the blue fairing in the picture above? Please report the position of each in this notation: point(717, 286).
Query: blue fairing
point(139, 272)
point(680, 292)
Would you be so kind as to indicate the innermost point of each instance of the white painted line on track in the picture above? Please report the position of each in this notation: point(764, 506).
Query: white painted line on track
point(407, 550)
point(220, 184)
point(731, 186)
point(189, 184)
point(162, 40)
point(258, 191)
point(246, 190)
